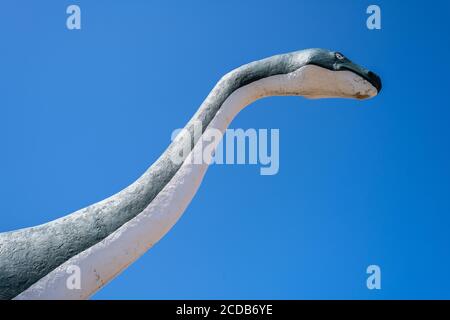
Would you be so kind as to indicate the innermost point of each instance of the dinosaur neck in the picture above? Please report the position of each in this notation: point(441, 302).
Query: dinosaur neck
point(101, 262)
point(32, 254)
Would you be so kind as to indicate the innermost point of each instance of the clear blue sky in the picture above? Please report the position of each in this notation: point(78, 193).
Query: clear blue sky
point(84, 113)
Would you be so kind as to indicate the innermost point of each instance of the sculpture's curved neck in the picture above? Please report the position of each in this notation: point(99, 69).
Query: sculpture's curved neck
point(32, 259)
point(101, 262)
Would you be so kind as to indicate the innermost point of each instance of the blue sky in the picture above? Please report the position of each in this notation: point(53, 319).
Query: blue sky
point(84, 113)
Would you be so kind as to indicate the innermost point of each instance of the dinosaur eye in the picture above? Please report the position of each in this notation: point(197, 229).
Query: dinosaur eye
point(339, 56)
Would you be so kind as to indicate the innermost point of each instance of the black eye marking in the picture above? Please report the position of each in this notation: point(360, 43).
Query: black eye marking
point(339, 56)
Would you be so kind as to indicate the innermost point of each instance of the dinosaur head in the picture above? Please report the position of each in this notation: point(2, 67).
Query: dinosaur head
point(323, 73)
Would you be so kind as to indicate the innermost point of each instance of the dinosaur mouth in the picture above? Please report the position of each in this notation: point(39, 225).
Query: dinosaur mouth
point(375, 80)
point(370, 76)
